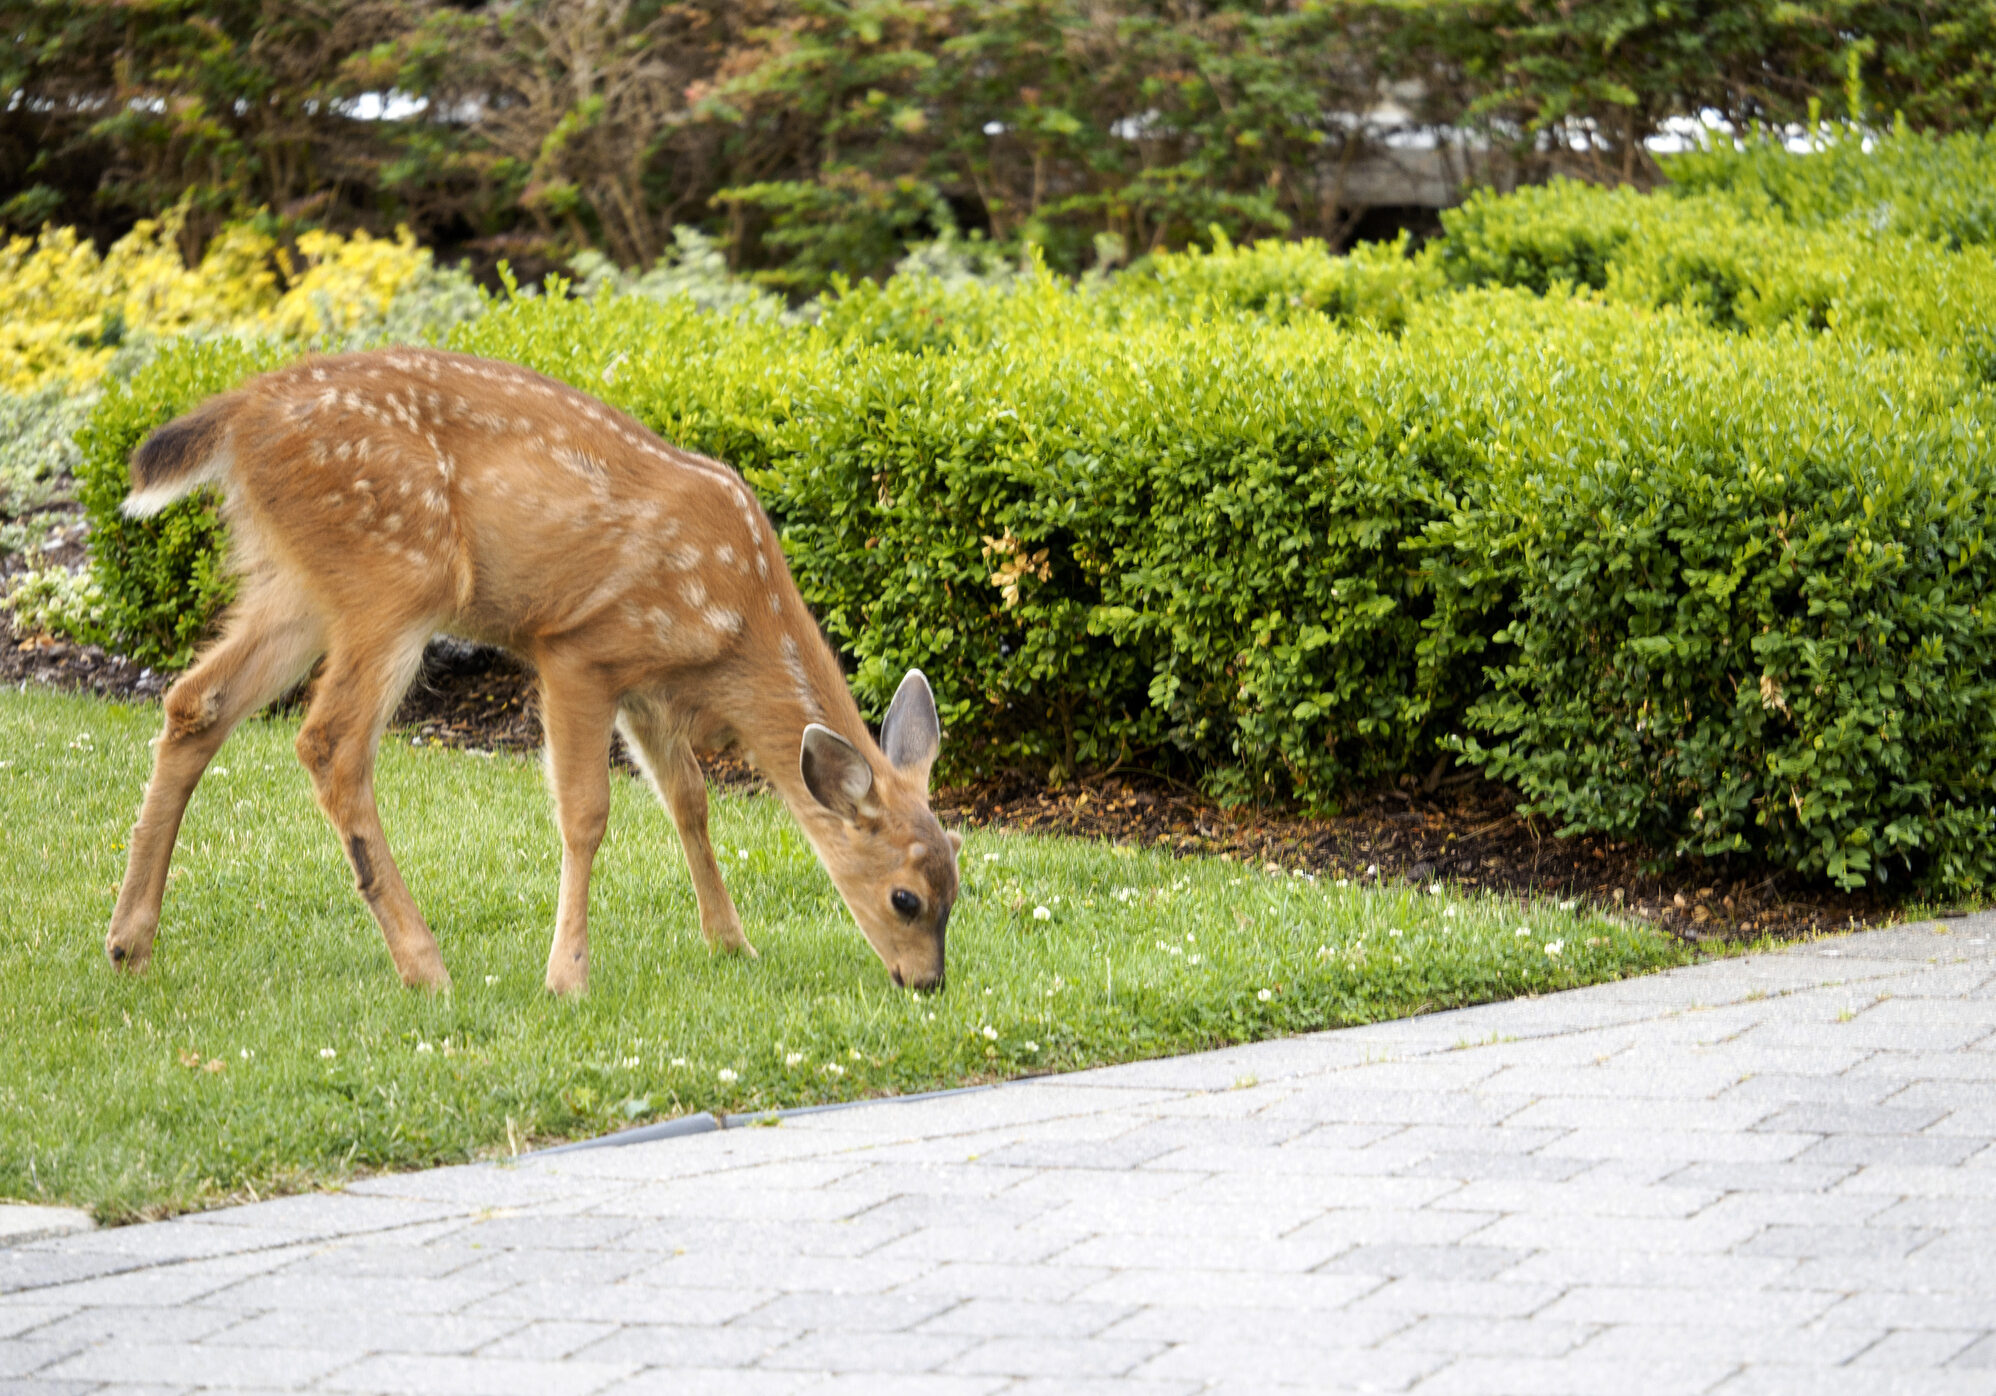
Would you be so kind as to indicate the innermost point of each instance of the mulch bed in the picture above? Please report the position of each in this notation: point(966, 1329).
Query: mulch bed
point(1465, 833)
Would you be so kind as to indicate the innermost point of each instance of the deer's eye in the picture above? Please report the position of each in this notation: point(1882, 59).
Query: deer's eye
point(905, 902)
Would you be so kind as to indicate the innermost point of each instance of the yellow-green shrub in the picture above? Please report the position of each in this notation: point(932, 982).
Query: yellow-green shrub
point(65, 310)
point(1941, 188)
point(1374, 284)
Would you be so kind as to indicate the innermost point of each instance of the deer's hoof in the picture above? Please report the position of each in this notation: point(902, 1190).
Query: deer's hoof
point(568, 979)
point(127, 952)
point(729, 940)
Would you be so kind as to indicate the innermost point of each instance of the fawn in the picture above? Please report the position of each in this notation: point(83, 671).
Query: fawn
point(376, 499)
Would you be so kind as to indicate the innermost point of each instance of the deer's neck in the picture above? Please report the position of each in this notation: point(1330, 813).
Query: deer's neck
point(799, 684)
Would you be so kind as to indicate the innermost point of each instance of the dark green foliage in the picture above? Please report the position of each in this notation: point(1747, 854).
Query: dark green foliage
point(819, 137)
point(844, 220)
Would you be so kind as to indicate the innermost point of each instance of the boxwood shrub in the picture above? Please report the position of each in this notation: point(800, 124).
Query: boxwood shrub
point(1940, 188)
point(1736, 598)
point(1737, 266)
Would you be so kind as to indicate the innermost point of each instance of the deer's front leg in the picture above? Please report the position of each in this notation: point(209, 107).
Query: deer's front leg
point(666, 757)
point(577, 716)
point(685, 788)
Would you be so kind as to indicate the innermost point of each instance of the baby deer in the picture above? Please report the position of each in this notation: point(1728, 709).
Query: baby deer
point(376, 499)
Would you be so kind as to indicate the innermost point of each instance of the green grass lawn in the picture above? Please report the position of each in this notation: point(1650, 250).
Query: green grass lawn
point(270, 1046)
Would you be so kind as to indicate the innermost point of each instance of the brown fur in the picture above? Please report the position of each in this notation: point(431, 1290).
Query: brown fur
point(376, 499)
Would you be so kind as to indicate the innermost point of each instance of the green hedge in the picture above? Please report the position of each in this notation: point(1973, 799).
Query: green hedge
point(1694, 569)
point(1913, 186)
point(1734, 266)
point(1737, 598)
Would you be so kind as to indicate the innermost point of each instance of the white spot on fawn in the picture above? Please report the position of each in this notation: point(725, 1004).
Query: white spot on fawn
point(800, 680)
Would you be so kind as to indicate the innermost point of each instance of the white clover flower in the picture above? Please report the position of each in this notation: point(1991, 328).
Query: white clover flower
point(990, 857)
point(679, 1061)
point(1448, 913)
point(1396, 930)
point(990, 1033)
point(726, 1075)
point(1522, 932)
point(1194, 959)
point(1569, 904)
point(1434, 889)
point(794, 1059)
point(1265, 995)
point(1344, 882)
point(834, 1069)
point(741, 853)
point(1041, 913)
point(1553, 947)
point(248, 1053)
point(1032, 1046)
point(424, 1047)
point(853, 1052)
point(491, 979)
point(328, 1053)
point(630, 1063)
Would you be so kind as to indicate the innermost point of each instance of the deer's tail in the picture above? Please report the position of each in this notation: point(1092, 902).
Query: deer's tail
point(188, 452)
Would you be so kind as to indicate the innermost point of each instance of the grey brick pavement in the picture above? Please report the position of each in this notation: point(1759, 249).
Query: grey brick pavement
point(1774, 1174)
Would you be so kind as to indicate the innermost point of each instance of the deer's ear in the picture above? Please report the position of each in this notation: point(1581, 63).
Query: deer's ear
point(835, 773)
point(911, 734)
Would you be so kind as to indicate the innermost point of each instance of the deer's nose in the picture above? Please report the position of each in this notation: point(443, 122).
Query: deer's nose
point(921, 983)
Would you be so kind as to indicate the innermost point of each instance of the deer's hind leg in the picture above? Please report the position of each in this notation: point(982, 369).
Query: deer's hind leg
point(365, 675)
point(268, 642)
point(666, 757)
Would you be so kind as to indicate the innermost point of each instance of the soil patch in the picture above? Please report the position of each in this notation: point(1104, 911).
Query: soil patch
point(1466, 832)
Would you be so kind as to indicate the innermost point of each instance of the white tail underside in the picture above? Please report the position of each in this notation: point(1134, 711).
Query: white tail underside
point(143, 504)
